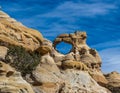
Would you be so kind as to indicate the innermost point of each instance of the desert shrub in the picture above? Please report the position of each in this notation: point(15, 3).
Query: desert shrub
point(22, 60)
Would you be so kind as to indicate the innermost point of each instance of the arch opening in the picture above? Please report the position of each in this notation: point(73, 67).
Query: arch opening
point(64, 48)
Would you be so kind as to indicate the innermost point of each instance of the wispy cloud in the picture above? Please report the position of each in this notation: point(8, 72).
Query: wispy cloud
point(111, 59)
point(109, 52)
point(69, 16)
point(108, 44)
point(72, 9)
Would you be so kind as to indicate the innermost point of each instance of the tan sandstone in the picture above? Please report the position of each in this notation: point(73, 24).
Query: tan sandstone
point(13, 32)
point(11, 81)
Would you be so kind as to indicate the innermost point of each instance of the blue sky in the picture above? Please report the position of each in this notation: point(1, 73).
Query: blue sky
point(99, 18)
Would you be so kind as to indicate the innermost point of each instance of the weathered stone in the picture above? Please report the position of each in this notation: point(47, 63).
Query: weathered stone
point(58, 57)
point(80, 82)
point(11, 81)
point(3, 15)
point(113, 82)
point(47, 74)
point(63, 35)
point(81, 53)
point(114, 78)
point(46, 69)
point(99, 77)
point(52, 80)
point(69, 56)
point(5, 68)
point(58, 39)
point(3, 52)
point(13, 32)
point(44, 49)
point(74, 39)
point(67, 40)
point(47, 43)
point(69, 64)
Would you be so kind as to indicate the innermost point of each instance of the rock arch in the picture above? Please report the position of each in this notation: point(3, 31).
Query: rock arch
point(75, 39)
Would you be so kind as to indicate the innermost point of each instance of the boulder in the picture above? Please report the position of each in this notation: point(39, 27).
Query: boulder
point(69, 64)
point(11, 81)
point(80, 82)
point(113, 78)
point(47, 76)
point(44, 49)
point(3, 52)
point(113, 81)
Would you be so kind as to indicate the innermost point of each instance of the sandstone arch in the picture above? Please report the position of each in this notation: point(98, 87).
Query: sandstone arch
point(76, 39)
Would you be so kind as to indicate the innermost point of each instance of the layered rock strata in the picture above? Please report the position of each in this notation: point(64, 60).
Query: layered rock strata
point(13, 32)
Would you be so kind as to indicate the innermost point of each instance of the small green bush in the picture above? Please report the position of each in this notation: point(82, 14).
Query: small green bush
point(22, 60)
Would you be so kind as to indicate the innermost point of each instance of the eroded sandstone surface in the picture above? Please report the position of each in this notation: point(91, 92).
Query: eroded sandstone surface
point(113, 81)
point(13, 32)
point(11, 81)
point(81, 53)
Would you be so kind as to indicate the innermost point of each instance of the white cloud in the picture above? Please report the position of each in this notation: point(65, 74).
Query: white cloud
point(110, 54)
point(111, 59)
point(112, 43)
point(71, 9)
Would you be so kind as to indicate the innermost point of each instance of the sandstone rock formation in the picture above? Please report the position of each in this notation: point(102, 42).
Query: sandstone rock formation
point(50, 79)
point(11, 81)
point(46, 76)
point(13, 32)
point(3, 52)
point(43, 49)
point(113, 78)
point(49, 70)
point(81, 52)
point(113, 82)
point(81, 82)
point(74, 65)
